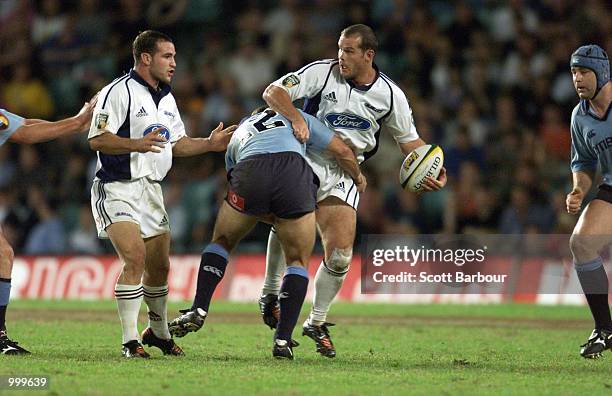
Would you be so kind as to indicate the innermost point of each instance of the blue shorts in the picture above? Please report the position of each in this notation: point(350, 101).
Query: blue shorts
point(282, 184)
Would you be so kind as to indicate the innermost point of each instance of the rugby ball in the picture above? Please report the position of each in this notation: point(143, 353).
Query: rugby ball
point(426, 160)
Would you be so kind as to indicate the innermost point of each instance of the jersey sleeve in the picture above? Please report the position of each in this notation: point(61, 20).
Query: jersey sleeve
point(9, 123)
point(306, 82)
point(177, 129)
point(110, 111)
point(320, 134)
point(400, 122)
point(582, 158)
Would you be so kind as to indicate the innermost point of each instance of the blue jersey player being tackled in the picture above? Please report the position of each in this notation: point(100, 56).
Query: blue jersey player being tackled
point(270, 181)
point(591, 128)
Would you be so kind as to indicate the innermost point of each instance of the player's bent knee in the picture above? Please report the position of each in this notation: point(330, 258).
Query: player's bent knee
point(583, 246)
point(339, 261)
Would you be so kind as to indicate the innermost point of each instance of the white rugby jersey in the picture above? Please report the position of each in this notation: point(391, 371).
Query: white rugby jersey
point(355, 113)
point(129, 107)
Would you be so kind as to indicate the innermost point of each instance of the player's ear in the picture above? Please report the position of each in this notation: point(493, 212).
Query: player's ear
point(146, 58)
point(369, 53)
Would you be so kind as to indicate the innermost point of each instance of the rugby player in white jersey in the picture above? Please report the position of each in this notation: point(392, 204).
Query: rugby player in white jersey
point(353, 97)
point(136, 130)
point(16, 129)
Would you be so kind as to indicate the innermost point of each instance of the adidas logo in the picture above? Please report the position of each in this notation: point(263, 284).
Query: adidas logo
point(163, 221)
point(591, 134)
point(142, 112)
point(154, 317)
point(340, 186)
point(331, 97)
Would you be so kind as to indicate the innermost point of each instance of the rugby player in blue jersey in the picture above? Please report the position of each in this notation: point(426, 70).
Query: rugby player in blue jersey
point(591, 128)
point(269, 180)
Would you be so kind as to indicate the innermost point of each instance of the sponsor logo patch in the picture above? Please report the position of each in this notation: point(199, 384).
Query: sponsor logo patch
point(160, 129)
point(291, 81)
point(101, 120)
point(123, 214)
point(347, 121)
point(235, 200)
point(369, 106)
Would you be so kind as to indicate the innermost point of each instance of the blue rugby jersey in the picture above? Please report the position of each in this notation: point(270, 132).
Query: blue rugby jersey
point(591, 141)
point(269, 132)
point(9, 123)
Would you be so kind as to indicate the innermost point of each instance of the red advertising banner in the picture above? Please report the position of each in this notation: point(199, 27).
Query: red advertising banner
point(94, 277)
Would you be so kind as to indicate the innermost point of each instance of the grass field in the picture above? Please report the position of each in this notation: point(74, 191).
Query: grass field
point(382, 350)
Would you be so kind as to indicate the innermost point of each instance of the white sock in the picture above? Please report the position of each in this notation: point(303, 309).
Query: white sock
point(327, 286)
point(129, 298)
point(275, 266)
point(156, 298)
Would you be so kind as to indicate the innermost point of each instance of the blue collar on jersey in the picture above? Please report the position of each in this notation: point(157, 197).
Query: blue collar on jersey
point(365, 87)
point(584, 110)
point(157, 94)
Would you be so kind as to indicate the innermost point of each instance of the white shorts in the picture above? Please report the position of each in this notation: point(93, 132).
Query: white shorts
point(334, 182)
point(139, 201)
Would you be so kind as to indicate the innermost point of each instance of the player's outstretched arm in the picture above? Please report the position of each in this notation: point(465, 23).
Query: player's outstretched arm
point(582, 184)
point(38, 131)
point(109, 143)
point(347, 161)
point(217, 141)
point(429, 183)
point(279, 100)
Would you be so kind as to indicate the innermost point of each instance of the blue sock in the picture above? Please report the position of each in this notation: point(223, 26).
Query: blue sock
point(291, 297)
point(594, 282)
point(212, 269)
point(5, 292)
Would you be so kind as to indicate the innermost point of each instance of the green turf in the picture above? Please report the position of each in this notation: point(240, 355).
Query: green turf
point(382, 349)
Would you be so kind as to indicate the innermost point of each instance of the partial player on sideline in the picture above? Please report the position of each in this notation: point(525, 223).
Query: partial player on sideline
point(14, 128)
point(591, 128)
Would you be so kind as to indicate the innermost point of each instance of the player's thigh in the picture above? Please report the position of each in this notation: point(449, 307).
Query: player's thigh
point(297, 237)
point(594, 228)
point(231, 226)
point(126, 239)
point(336, 222)
point(157, 251)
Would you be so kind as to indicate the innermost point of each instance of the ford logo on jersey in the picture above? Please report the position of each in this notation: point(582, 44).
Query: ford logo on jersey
point(347, 121)
point(162, 131)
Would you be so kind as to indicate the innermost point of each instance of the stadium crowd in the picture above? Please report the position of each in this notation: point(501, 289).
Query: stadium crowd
point(487, 80)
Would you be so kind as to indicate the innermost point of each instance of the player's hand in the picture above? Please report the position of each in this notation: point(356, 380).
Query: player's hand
point(431, 184)
point(573, 201)
point(151, 142)
point(219, 138)
point(361, 183)
point(84, 115)
point(300, 130)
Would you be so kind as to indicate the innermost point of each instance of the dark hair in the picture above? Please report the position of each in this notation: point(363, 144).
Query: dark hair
point(146, 42)
point(368, 38)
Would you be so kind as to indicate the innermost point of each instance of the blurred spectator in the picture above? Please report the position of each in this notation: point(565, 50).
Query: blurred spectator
point(27, 95)
point(48, 235)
